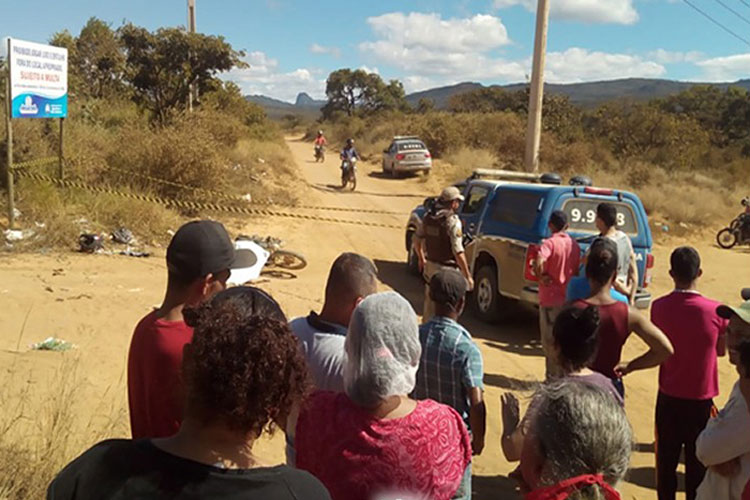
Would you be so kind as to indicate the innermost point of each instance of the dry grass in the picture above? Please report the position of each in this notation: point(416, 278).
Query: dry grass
point(41, 428)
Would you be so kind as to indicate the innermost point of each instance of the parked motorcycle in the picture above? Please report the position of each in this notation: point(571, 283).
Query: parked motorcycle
point(349, 173)
point(738, 233)
point(320, 153)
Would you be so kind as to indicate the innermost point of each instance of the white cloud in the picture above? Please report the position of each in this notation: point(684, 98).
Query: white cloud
point(580, 65)
point(668, 57)
point(264, 77)
point(587, 11)
point(440, 51)
point(320, 49)
point(370, 70)
point(727, 68)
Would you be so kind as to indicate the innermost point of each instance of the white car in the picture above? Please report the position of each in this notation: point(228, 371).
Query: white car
point(406, 154)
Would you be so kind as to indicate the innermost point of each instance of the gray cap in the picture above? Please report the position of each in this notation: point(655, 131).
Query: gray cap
point(447, 287)
point(451, 193)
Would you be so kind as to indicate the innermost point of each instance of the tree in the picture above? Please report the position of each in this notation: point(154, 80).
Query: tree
point(228, 98)
point(66, 40)
point(425, 105)
point(99, 59)
point(162, 65)
point(361, 92)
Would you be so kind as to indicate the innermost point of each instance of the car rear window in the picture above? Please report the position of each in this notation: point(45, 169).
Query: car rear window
point(582, 216)
point(411, 146)
point(519, 208)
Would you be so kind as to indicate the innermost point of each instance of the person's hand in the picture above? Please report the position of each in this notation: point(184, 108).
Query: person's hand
point(727, 469)
point(511, 412)
point(622, 369)
point(545, 279)
point(421, 263)
point(477, 445)
point(518, 477)
point(470, 284)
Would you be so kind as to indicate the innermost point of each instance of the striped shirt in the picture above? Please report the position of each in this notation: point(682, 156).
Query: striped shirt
point(451, 364)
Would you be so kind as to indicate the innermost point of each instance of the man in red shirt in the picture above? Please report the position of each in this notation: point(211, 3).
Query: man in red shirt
point(556, 263)
point(688, 380)
point(199, 259)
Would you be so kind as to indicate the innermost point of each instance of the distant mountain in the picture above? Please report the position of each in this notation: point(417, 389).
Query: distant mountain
point(587, 94)
point(305, 101)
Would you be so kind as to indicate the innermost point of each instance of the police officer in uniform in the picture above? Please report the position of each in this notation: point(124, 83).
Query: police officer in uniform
point(439, 243)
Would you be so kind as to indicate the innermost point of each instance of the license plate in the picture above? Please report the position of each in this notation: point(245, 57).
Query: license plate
point(413, 157)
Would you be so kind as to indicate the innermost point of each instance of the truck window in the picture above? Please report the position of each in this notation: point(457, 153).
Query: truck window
point(411, 146)
point(519, 208)
point(582, 214)
point(474, 200)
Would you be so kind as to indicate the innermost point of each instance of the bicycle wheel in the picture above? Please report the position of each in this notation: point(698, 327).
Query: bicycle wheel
point(286, 259)
point(727, 238)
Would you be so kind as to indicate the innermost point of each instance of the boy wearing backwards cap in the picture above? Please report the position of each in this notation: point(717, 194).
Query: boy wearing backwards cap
point(199, 259)
point(450, 368)
point(556, 263)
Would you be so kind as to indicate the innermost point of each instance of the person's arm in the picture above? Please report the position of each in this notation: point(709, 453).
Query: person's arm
point(477, 419)
point(632, 277)
point(418, 243)
point(463, 265)
point(660, 348)
point(513, 435)
point(724, 437)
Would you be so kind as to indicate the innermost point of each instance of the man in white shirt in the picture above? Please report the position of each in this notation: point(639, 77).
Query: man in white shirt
point(724, 445)
point(351, 279)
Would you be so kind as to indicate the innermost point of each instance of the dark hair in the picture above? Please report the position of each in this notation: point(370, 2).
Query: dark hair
point(576, 332)
point(245, 367)
point(744, 350)
point(351, 276)
point(607, 212)
point(602, 262)
point(685, 263)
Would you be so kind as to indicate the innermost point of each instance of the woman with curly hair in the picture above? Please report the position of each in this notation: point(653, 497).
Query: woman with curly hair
point(373, 442)
point(243, 371)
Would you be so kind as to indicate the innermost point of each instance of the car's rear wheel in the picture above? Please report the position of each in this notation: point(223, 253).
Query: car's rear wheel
point(486, 294)
point(394, 172)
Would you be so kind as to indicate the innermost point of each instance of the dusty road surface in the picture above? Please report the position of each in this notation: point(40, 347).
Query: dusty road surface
point(94, 301)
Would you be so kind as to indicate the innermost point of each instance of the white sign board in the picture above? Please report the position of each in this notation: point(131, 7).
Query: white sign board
point(38, 79)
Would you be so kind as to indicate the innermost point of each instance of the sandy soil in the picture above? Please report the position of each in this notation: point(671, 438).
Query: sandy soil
point(95, 301)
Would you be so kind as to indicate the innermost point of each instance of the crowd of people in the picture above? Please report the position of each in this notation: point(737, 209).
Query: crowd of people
point(375, 406)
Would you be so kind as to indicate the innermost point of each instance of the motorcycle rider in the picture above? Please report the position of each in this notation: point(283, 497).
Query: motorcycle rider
point(438, 243)
point(348, 154)
point(320, 141)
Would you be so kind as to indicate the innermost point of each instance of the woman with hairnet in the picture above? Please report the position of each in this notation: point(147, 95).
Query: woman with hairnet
point(373, 441)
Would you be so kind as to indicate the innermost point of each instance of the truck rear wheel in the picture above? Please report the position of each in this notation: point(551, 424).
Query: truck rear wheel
point(486, 295)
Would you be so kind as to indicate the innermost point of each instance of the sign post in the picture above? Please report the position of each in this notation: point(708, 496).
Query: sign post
point(37, 88)
point(9, 148)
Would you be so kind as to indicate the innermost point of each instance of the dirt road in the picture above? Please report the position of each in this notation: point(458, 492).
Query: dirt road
point(94, 302)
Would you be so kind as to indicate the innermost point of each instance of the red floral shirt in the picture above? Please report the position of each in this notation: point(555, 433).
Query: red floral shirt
point(359, 457)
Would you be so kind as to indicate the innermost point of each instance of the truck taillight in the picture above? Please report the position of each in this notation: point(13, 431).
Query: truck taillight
point(400, 157)
point(649, 265)
point(531, 255)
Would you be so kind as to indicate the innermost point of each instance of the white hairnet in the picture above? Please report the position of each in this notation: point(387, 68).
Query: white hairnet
point(383, 349)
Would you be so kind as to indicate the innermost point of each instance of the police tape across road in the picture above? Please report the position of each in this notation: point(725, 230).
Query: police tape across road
point(198, 205)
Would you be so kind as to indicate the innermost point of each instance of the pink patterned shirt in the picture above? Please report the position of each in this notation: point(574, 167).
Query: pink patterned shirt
point(359, 457)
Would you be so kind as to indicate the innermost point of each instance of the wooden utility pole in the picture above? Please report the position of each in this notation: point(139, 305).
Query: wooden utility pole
point(534, 130)
point(191, 28)
point(9, 145)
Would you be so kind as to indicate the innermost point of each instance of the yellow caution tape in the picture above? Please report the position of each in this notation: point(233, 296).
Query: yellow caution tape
point(50, 160)
point(196, 205)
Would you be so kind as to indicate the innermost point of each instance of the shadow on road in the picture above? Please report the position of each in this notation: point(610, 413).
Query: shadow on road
point(493, 487)
point(330, 188)
point(510, 383)
point(646, 477)
point(519, 334)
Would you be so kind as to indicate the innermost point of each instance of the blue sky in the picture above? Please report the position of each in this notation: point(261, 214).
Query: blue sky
point(293, 45)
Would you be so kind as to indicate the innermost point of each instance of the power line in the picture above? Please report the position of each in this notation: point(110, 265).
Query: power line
point(744, 2)
point(733, 11)
point(717, 23)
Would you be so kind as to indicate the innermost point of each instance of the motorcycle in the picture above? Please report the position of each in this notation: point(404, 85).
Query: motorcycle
point(320, 153)
point(738, 232)
point(349, 173)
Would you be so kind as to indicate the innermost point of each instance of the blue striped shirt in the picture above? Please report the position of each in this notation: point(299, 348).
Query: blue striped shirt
point(450, 366)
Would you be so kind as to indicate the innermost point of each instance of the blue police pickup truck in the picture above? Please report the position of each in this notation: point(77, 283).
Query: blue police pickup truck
point(505, 216)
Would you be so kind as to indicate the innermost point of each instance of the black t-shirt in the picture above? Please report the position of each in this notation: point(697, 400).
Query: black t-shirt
point(125, 469)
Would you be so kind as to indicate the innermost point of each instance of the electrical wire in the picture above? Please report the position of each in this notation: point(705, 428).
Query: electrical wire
point(733, 11)
point(717, 23)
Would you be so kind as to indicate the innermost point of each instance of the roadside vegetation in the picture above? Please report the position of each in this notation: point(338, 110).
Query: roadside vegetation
point(686, 156)
point(128, 127)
